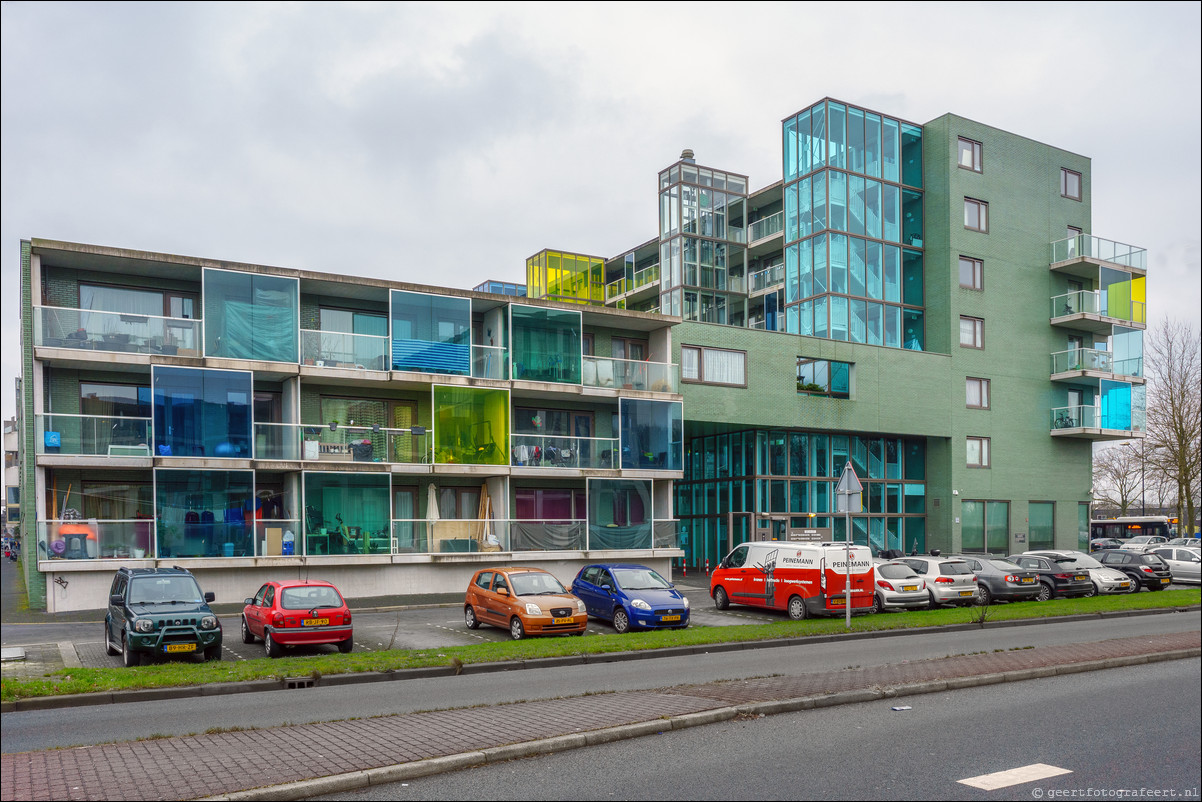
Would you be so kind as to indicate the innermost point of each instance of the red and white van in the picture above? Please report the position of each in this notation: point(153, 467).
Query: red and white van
point(802, 579)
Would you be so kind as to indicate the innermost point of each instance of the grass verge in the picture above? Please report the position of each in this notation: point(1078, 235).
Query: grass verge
point(170, 674)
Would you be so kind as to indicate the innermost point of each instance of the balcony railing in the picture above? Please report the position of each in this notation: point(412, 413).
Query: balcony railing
point(1079, 417)
point(93, 435)
point(1096, 302)
point(617, 287)
point(490, 362)
point(551, 451)
point(768, 277)
point(60, 327)
point(631, 374)
point(1086, 245)
point(90, 539)
point(766, 227)
point(736, 234)
point(645, 276)
point(344, 350)
point(291, 441)
point(1095, 360)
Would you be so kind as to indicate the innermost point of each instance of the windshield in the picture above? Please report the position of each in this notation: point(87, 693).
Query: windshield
point(895, 571)
point(535, 583)
point(1005, 565)
point(954, 569)
point(1082, 561)
point(164, 589)
point(309, 598)
point(639, 579)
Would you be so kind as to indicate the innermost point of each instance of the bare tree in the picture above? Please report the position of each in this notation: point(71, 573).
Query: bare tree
point(1174, 404)
point(1116, 477)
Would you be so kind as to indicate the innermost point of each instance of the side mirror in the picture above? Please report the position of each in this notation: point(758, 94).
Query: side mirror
point(116, 600)
point(502, 591)
point(248, 602)
point(210, 596)
point(607, 589)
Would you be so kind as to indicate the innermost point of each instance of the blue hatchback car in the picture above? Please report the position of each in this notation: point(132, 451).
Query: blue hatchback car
point(631, 596)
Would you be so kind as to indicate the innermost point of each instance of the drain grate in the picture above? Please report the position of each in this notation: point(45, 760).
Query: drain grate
point(299, 682)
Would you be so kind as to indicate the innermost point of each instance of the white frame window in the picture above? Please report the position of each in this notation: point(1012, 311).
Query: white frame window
point(972, 332)
point(977, 452)
point(970, 155)
point(701, 365)
point(976, 393)
point(972, 273)
point(976, 215)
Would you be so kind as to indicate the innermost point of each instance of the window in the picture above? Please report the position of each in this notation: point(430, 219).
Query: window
point(976, 215)
point(972, 332)
point(713, 366)
point(972, 273)
point(1070, 184)
point(823, 377)
point(970, 155)
point(977, 393)
point(978, 452)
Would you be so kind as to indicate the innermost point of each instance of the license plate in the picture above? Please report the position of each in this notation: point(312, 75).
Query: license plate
point(909, 587)
point(1028, 580)
point(561, 620)
point(180, 647)
point(315, 622)
point(1081, 577)
point(1164, 581)
point(837, 601)
point(968, 593)
point(1124, 584)
point(670, 618)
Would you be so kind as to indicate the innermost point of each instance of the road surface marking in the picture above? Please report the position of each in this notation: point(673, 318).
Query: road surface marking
point(1024, 774)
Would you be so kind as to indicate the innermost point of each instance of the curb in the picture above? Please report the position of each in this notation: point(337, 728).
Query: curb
point(350, 781)
point(257, 686)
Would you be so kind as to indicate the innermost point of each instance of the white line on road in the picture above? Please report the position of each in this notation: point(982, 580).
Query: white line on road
point(1023, 774)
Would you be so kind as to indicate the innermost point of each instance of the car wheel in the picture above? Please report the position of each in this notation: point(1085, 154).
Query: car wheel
point(345, 646)
point(469, 617)
point(247, 635)
point(984, 596)
point(1045, 592)
point(932, 604)
point(272, 648)
point(621, 621)
point(1093, 591)
point(516, 630)
point(796, 608)
point(109, 649)
point(1134, 584)
point(721, 600)
point(878, 604)
point(213, 653)
point(129, 658)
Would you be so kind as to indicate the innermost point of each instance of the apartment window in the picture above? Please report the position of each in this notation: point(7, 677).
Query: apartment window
point(976, 215)
point(713, 366)
point(970, 155)
point(1070, 184)
point(976, 393)
point(972, 332)
point(824, 377)
point(978, 452)
point(972, 273)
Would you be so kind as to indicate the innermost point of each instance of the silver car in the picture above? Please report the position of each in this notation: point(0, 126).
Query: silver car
point(949, 580)
point(898, 587)
point(1144, 542)
point(1184, 562)
point(1105, 580)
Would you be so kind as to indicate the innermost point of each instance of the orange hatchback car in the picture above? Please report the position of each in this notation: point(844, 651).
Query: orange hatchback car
point(526, 601)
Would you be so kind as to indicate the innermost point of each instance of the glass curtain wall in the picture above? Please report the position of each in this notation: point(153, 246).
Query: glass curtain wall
point(251, 316)
point(200, 412)
point(1041, 517)
point(651, 434)
point(347, 513)
point(569, 277)
point(204, 513)
point(985, 527)
point(853, 227)
point(545, 344)
point(471, 425)
point(431, 333)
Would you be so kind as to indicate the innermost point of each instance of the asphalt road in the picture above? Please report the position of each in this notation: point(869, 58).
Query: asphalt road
point(43, 729)
point(1120, 729)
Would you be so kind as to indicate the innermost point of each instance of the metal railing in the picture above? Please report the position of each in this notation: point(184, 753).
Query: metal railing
point(631, 374)
point(1096, 302)
point(553, 451)
point(344, 350)
point(1087, 245)
point(768, 277)
point(93, 435)
point(1096, 360)
point(60, 327)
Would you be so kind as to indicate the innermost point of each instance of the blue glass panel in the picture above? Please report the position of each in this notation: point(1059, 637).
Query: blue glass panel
point(651, 433)
point(202, 413)
point(204, 513)
point(250, 316)
point(431, 333)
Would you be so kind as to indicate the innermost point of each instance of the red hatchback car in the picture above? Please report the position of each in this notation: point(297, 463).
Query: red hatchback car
point(297, 613)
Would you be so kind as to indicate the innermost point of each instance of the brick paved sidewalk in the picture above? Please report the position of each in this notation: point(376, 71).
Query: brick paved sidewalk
point(197, 766)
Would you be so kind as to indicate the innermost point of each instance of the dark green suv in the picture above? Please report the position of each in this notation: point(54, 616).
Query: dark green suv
point(159, 611)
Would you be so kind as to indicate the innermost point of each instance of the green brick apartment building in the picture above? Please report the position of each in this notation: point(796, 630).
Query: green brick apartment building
point(926, 302)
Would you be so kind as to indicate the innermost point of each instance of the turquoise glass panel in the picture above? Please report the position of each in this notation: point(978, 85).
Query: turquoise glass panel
point(997, 527)
point(872, 270)
point(805, 268)
point(1115, 405)
point(805, 324)
point(855, 263)
point(652, 434)
point(914, 331)
point(914, 460)
point(1041, 521)
point(347, 513)
point(790, 149)
point(890, 147)
point(893, 452)
point(202, 413)
point(803, 134)
point(837, 135)
point(911, 139)
point(792, 275)
point(791, 213)
point(892, 271)
point(204, 513)
point(912, 279)
point(822, 455)
point(545, 344)
point(251, 316)
point(431, 333)
point(619, 514)
point(840, 379)
point(799, 445)
point(838, 259)
point(820, 260)
point(793, 320)
point(819, 208)
point(820, 317)
point(838, 200)
point(876, 324)
point(855, 205)
point(838, 317)
point(872, 209)
point(857, 322)
point(893, 326)
point(805, 208)
point(890, 213)
point(972, 526)
point(818, 136)
point(872, 144)
point(915, 541)
point(915, 498)
point(855, 140)
point(912, 220)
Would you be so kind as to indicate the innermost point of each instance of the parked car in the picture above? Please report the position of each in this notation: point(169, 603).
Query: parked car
point(1055, 579)
point(1105, 580)
point(297, 613)
point(1143, 542)
point(898, 586)
point(1001, 580)
point(949, 580)
point(631, 596)
point(1184, 563)
point(1103, 543)
point(526, 601)
point(159, 611)
point(1185, 541)
point(1147, 570)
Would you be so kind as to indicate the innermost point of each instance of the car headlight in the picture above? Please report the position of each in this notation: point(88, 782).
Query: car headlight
point(144, 625)
point(685, 599)
point(640, 604)
point(580, 608)
point(208, 622)
point(533, 609)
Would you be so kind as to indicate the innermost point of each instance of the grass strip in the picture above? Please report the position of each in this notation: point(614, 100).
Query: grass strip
point(175, 673)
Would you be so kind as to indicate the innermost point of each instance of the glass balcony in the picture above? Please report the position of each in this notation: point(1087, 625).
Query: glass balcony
point(772, 276)
point(645, 276)
point(615, 288)
point(1088, 246)
point(1096, 302)
point(736, 234)
point(93, 436)
point(292, 441)
point(490, 362)
point(565, 535)
point(1095, 360)
point(278, 441)
point(277, 538)
point(59, 327)
point(551, 451)
point(629, 374)
point(449, 536)
point(92, 539)
point(666, 533)
point(766, 227)
point(343, 350)
point(1079, 417)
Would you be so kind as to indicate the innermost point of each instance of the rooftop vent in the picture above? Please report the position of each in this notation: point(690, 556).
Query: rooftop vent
point(686, 155)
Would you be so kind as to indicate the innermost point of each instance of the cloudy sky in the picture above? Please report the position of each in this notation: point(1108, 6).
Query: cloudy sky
point(445, 143)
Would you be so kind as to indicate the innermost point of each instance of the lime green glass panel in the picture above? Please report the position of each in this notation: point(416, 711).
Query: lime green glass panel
point(471, 426)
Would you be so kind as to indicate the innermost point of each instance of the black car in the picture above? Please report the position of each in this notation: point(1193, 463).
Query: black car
point(1054, 579)
point(1105, 543)
point(999, 579)
point(159, 611)
point(1145, 569)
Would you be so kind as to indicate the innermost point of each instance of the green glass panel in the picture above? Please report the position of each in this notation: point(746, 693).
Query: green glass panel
point(545, 344)
point(249, 316)
point(471, 425)
point(997, 527)
point(347, 513)
point(972, 526)
point(1041, 522)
